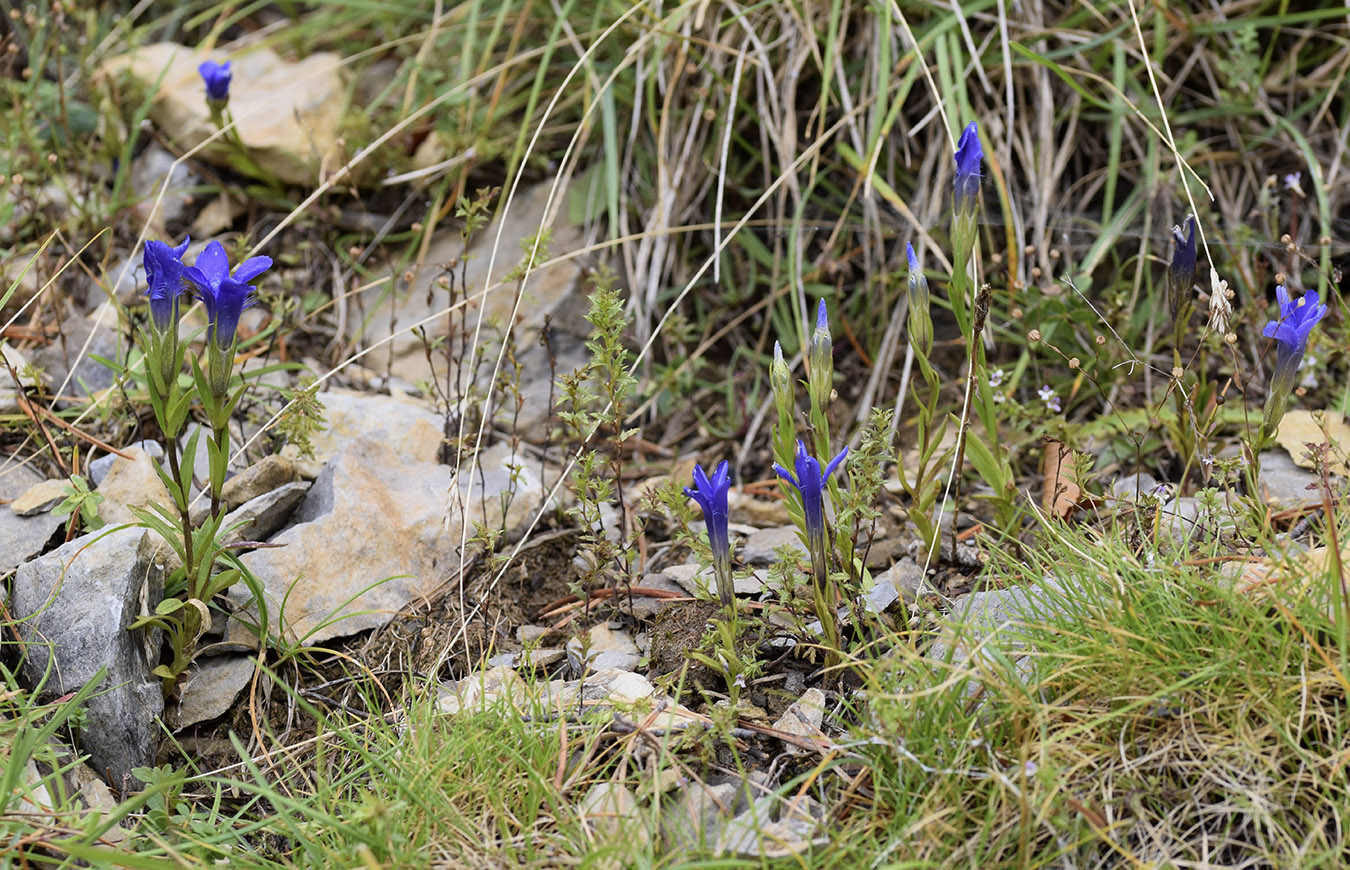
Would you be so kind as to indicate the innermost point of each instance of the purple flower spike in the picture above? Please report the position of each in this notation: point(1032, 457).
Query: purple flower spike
point(217, 78)
point(711, 495)
point(1297, 319)
point(969, 155)
point(810, 482)
point(164, 273)
point(224, 295)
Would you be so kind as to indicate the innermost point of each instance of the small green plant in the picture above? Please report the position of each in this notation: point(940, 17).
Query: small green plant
point(205, 567)
point(81, 503)
point(595, 402)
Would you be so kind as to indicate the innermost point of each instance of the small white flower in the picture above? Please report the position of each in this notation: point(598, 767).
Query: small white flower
point(996, 378)
point(1294, 182)
point(1046, 393)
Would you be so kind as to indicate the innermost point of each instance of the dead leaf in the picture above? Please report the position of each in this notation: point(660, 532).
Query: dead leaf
point(1299, 427)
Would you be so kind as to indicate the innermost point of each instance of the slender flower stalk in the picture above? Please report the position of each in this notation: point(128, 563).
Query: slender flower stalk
point(810, 482)
point(1290, 331)
point(711, 495)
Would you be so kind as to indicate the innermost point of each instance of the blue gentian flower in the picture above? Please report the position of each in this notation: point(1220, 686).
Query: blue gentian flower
point(810, 482)
point(224, 295)
point(711, 495)
point(1291, 331)
point(1181, 274)
point(217, 78)
point(1297, 319)
point(164, 274)
point(969, 155)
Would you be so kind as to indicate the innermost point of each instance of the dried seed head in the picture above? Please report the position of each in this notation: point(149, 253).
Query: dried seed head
point(1074, 363)
point(1034, 335)
point(1100, 340)
point(1177, 372)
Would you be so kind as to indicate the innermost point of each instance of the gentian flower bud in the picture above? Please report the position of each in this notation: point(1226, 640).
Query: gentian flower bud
point(1291, 331)
point(164, 275)
point(780, 379)
point(1181, 274)
point(969, 154)
point(711, 495)
point(810, 482)
point(920, 315)
point(217, 79)
point(820, 357)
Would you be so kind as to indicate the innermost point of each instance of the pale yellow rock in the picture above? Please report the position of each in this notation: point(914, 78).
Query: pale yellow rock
point(131, 483)
point(287, 113)
point(1300, 427)
point(40, 497)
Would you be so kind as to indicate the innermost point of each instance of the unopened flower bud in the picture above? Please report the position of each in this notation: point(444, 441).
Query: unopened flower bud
point(821, 360)
point(920, 315)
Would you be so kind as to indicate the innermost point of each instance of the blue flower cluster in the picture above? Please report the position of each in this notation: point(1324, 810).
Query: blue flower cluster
point(224, 295)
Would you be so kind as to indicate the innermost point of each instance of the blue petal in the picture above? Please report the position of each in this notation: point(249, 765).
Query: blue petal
point(834, 463)
point(252, 268)
point(213, 264)
point(969, 152)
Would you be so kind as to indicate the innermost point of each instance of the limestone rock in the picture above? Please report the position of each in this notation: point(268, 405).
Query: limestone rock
point(99, 468)
point(377, 531)
point(287, 113)
point(131, 483)
point(1284, 483)
point(702, 581)
point(9, 401)
point(803, 717)
point(269, 473)
point(73, 608)
point(760, 545)
point(22, 537)
point(209, 689)
point(39, 498)
point(263, 516)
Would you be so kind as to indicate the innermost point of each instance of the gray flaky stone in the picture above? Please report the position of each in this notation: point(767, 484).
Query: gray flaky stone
point(209, 689)
point(263, 516)
point(264, 476)
point(760, 545)
point(131, 483)
point(73, 608)
point(99, 468)
point(377, 531)
point(21, 537)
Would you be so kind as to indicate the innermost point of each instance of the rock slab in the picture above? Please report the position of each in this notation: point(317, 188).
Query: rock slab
point(21, 537)
point(73, 608)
